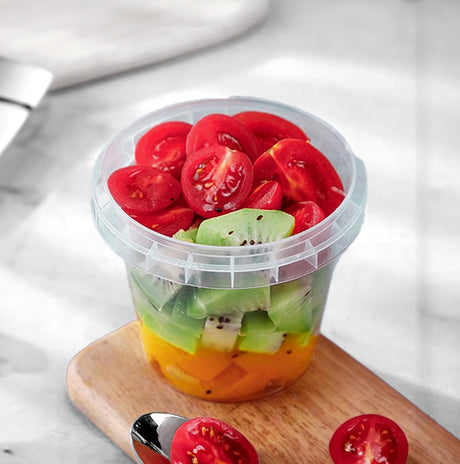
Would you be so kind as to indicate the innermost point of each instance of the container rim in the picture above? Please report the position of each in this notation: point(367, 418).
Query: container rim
point(182, 261)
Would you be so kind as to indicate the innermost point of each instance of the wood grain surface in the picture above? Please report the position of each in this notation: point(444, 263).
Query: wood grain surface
point(111, 383)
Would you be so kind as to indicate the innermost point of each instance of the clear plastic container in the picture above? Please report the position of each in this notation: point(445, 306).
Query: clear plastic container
point(230, 323)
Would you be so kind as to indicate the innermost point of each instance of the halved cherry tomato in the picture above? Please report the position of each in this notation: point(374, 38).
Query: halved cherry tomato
point(304, 173)
point(269, 128)
point(141, 189)
point(216, 180)
point(220, 129)
point(306, 214)
point(163, 147)
point(369, 439)
point(267, 195)
point(204, 440)
point(168, 221)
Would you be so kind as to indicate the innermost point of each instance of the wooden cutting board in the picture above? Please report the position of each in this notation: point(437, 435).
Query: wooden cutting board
point(111, 383)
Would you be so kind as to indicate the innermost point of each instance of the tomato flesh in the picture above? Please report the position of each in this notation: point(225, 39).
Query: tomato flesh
point(216, 180)
point(205, 440)
point(269, 128)
point(304, 173)
point(163, 147)
point(267, 195)
point(306, 214)
point(369, 439)
point(220, 129)
point(168, 221)
point(141, 189)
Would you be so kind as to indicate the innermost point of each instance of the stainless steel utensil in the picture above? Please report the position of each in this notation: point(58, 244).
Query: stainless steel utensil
point(22, 86)
point(151, 436)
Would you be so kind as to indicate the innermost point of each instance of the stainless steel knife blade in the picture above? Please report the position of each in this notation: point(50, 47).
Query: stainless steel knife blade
point(22, 86)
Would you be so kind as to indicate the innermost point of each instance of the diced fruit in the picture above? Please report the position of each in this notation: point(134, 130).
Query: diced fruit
point(221, 332)
point(306, 214)
point(156, 290)
point(245, 227)
point(266, 195)
point(304, 173)
point(258, 334)
point(168, 319)
point(269, 128)
point(141, 189)
point(216, 302)
point(168, 221)
point(220, 129)
point(188, 235)
point(163, 147)
point(184, 338)
point(216, 180)
point(290, 306)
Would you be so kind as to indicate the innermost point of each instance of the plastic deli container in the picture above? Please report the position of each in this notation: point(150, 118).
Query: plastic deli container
point(230, 323)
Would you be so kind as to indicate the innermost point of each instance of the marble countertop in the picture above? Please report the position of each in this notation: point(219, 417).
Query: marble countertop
point(385, 74)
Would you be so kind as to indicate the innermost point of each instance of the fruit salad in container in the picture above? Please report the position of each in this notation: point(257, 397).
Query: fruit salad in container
point(230, 216)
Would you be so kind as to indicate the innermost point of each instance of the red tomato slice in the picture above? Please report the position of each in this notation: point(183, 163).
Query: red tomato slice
point(163, 147)
point(369, 439)
point(169, 220)
point(220, 129)
point(306, 214)
point(211, 441)
point(269, 128)
point(216, 180)
point(304, 173)
point(267, 195)
point(143, 189)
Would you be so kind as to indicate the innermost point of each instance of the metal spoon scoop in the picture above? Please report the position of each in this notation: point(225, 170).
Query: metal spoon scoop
point(151, 436)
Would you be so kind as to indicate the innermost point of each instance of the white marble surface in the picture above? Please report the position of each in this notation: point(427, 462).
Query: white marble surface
point(385, 74)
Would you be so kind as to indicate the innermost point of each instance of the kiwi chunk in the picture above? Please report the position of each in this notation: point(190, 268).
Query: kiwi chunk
point(245, 227)
point(291, 305)
point(259, 334)
point(221, 332)
point(171, 323)
point(188, 235)
point(157, 290)
point(215, 302)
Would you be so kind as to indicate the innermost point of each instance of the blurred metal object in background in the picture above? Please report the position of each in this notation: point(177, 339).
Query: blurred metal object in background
point(22, 86)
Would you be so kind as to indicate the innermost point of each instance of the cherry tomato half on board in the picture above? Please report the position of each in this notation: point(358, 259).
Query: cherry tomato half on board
point(216, 180)
point(369, 439)
point(220, 129)
point(163, 147)
point(269, 128)
point(141, 189)
point(204, 440)
point(304, 173)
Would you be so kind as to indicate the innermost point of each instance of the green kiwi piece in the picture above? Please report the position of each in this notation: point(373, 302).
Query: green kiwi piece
point(171, 323)
point(291, 305)
point(157, 290)
point(221, 332)
point(259, 334)
point(215, 302)
point(245, 227)
point(188, 235)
